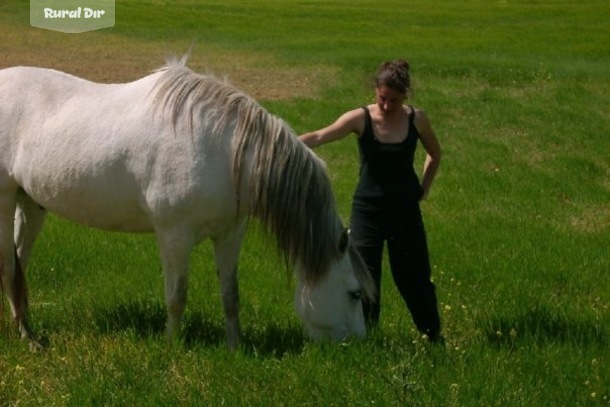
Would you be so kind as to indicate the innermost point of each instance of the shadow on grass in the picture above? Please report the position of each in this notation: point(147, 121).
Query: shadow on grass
point(542, 326)
point(147, 319)
point(273, 340)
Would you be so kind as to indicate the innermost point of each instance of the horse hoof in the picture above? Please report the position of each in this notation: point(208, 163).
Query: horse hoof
point(35, 345)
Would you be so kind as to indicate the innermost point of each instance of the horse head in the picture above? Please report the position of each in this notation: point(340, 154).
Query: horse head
point(331, 307)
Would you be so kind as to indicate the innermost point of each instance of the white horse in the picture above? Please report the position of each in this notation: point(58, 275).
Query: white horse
point(182, 155)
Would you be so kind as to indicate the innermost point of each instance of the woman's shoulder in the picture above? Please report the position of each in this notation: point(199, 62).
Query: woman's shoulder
point(360, 110)
point(419, 115)
point(413, 110)
point(353, 120)
point(418, 112)
point(355, 115)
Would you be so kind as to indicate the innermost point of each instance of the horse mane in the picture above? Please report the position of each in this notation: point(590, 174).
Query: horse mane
point(288, 190)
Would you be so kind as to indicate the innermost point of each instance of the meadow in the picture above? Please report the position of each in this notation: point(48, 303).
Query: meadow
point(518, 219)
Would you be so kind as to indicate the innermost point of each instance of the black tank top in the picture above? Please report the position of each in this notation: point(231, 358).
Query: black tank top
point(387, 176)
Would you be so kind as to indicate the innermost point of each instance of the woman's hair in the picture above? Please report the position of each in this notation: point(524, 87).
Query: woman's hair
point(395, 75)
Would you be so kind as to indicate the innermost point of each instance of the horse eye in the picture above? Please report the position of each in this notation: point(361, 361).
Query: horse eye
point(356, 295)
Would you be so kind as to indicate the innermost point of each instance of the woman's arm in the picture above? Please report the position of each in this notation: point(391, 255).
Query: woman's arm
point(350, 122)
point(433, 150)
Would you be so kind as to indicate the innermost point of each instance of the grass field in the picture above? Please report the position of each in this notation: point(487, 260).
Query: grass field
point(518, 220)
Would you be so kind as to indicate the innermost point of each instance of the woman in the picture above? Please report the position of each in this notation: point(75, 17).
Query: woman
point(385, 206)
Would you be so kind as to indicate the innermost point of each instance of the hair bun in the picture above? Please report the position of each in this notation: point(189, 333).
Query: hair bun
point(395, 74)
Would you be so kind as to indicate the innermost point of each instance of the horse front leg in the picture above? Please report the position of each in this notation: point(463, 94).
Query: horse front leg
point(226, 253)
point(175, 248)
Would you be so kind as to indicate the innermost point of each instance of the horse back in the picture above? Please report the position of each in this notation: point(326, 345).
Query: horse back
point(97, 154)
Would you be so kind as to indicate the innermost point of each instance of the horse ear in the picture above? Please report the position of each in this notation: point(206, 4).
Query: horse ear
point(343, 241)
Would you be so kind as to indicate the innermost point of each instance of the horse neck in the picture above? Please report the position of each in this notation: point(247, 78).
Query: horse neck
point(289, 191)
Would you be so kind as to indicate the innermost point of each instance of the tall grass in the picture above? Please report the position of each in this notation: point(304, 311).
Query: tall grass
point(518, 220)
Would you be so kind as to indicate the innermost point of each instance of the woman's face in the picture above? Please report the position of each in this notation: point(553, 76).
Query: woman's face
point(389, 100)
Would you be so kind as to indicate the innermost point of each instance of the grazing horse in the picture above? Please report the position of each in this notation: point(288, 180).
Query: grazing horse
point(181, 155)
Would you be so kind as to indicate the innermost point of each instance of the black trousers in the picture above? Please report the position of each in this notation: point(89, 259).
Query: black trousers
point(402, 228)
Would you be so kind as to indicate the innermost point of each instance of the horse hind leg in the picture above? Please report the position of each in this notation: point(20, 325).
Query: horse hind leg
point(12, 276)
point(20, 223)
point(29, 218)
point(13, 284)
point(17, 293)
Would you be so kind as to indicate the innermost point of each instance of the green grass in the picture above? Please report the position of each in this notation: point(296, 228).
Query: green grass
point(518, 220)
